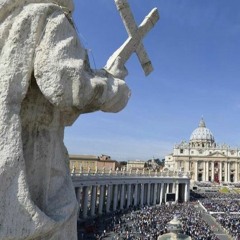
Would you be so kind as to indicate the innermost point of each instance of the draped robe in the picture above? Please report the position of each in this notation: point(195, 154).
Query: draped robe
point(46, 83)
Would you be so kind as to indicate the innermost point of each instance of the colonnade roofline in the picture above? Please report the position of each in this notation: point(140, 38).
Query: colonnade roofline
point(130, 174)
point(106, 179)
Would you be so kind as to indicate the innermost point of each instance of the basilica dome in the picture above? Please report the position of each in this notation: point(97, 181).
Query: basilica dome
point(202, 134)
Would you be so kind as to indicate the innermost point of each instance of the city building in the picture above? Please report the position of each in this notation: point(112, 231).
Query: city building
point(135, 165)
point(152, 164)
point(204, 159)
point(91, 163)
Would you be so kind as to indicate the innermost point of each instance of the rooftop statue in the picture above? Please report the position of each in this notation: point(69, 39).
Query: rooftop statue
point(46, 83)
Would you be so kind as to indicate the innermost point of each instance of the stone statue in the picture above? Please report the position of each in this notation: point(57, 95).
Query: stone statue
point(73, 169)
point(81, 169)
point(46, 83)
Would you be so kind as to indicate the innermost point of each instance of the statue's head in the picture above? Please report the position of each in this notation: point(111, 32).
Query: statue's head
point(7, 6)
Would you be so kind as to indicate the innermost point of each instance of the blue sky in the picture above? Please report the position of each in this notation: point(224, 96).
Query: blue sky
point(195, 51)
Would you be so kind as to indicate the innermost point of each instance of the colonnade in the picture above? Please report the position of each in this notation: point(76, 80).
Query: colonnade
point(98, 195)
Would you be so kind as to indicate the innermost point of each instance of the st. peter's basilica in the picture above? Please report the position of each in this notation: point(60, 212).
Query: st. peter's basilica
point(205, 160)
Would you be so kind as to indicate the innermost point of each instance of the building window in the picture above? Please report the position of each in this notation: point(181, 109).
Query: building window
point(192, 152)
point(181, 150)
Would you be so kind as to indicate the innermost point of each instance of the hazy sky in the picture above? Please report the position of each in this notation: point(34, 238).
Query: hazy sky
point(195, 50)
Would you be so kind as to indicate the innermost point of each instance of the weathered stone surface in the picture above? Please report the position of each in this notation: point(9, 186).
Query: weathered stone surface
point(46, 83)
point(136, 34)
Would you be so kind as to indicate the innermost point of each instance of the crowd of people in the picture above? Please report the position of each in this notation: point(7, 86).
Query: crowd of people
point(203, 184)
point(217, 202)
point(225, 208)
point(230, 222)
point(148, 223)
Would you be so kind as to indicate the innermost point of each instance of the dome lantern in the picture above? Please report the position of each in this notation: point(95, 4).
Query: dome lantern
point(202, 123)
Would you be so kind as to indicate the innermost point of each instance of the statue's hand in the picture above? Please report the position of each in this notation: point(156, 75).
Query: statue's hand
point(118, 69)
point(117, 95)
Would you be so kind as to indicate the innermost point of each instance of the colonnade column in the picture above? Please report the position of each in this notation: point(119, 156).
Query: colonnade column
point(236, 172)
point(78, 194)
point(196, 171)
point(142, 195)
point(207, 170)
point(167, 190)
point(173, 187)
point(161, 193)
point(229, 171)
point(177, 191)
point(220, 171)
point(226, 172)
point(212, 167)
point(129, 189)
point(136, 195)
point(109, 198)
point(158, 192)
point(122, 201)
point(115, 197)
point(85, 201)
point(148, 193)
point(155, 194)
point(93, 200)
point(145, 193)
point(186, 192)
point(204, 172)
point(101, 199)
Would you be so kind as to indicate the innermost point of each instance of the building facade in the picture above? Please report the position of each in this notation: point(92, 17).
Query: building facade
point(91, 163)
point(136, 165)
point(205, 160)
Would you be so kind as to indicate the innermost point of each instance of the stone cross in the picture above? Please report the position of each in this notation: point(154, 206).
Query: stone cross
point(136, 34)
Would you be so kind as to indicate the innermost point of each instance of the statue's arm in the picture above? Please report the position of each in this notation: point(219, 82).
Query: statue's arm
point(63, 75)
